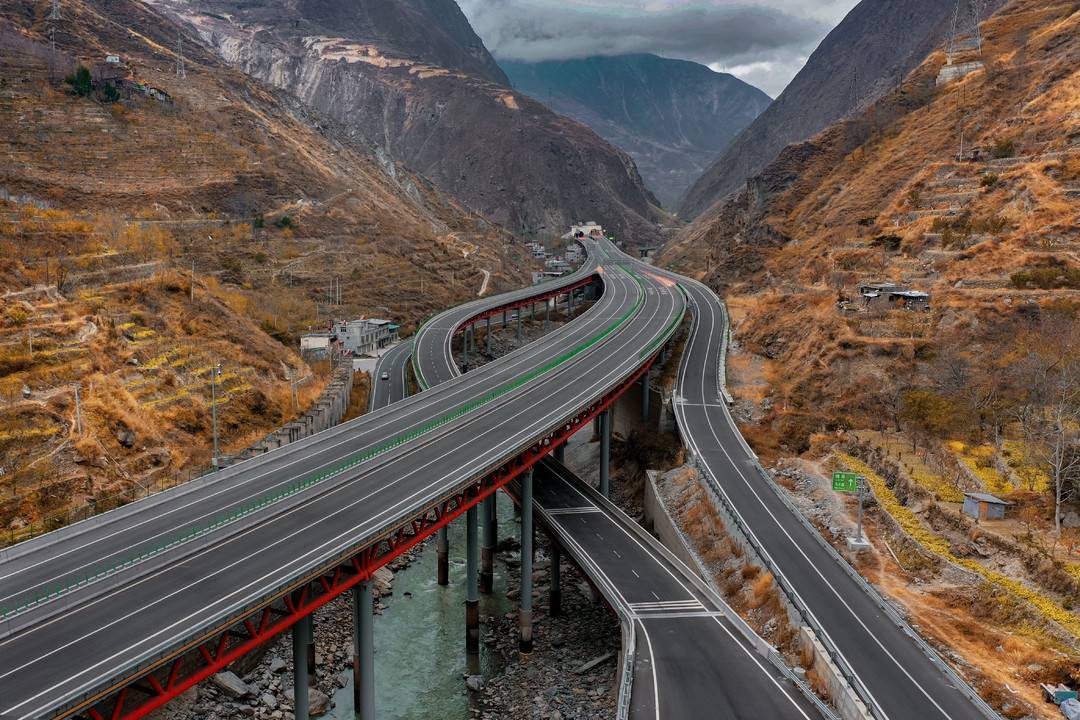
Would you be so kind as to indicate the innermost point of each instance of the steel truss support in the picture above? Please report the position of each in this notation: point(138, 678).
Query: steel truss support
point(163, 679)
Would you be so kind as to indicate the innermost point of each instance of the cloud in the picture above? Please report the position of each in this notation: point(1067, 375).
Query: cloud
point(765, 38)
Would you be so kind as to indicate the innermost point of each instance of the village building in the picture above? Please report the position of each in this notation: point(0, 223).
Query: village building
point(982, 506)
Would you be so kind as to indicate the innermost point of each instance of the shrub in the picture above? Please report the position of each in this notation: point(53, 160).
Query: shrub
point(989, 180)
point(888, 242)
point(1003, 148)
point(109, 93)
point(81, 83)
point(1049, 277)
point(284, 222)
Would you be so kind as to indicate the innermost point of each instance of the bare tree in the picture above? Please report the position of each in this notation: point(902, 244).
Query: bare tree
point(1049, 415)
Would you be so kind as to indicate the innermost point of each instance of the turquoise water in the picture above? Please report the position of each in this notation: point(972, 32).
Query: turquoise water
point(420, 655)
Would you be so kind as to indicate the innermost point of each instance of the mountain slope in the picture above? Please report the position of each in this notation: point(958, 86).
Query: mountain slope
point(673, 117)
point(108, 203)
point(499, 152)
point(882, 196)
point(865, 56)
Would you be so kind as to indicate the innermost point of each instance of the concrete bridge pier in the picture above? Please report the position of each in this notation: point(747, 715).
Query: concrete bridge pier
point(605, 453)
point(519, 325)
point(363, 652)
point(504, 318)
point(472, 596)
point(525, 644)
point(555, 593)
point(311, 667)
point(645, 397)
point(560, 452)
point(570, 304)
point(301, 638)
point(465, 348)
point(442, 551)
point(488, 337)
point(547, 314)
point(487, 546)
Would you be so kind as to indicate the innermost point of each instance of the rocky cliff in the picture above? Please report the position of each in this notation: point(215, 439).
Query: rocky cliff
point(864, 57)
point(500, 152)
point(673, 117)
point(992, 236)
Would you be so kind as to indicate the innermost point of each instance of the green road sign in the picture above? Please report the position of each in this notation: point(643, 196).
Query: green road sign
point(845, 482)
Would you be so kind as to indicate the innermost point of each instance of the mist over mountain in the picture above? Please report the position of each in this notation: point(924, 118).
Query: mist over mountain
point(863, 57)
point(673, 117)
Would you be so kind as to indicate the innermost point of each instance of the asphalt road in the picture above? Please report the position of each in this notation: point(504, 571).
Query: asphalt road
point(690, 659)
point(901, 681)
point(395, 363)
point(97, 635)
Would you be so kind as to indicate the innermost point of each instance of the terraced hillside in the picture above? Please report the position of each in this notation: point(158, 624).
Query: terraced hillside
point(112, 193)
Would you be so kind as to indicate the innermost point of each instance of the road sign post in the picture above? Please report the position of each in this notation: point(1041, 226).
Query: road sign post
point(848, 482)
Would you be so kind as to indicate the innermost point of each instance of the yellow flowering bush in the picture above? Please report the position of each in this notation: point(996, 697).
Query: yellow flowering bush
point(916, 468)
point(975, 458)
point(937, 545)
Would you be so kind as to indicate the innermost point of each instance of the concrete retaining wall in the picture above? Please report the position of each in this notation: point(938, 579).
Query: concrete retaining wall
point(329, 410)
point(841, 694)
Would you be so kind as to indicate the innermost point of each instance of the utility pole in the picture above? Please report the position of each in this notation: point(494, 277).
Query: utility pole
point(214, 372)
point(78, 412)
point(858, 527)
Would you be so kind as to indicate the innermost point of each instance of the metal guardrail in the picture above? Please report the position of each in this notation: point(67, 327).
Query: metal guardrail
point(793, 596)
point(755, 641)
point(626, 683)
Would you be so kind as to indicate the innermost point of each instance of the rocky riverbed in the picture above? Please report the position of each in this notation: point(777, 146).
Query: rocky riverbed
point(571, 673)
point(262, 686)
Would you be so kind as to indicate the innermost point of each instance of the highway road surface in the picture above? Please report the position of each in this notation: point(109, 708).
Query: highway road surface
point(395, 363)
point(898, 678)
point(141, 584)
point(692, 655)
point(693, 658)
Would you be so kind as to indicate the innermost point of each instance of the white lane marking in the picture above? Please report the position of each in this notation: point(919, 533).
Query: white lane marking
point(798, 548)
point(616, 372)
point(465, 388)
point(652, 661)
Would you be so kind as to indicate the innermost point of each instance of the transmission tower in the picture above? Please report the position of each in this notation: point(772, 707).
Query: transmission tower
point(55, 18)
point(965, 34)
point(181, 71)
point(853, 100)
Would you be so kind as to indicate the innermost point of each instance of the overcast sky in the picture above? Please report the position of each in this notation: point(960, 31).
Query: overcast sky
point(764, 42)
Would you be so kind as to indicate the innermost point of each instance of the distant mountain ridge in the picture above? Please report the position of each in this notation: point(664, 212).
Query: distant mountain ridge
point(864, 57)
point(673, 117)
point(413, 80)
